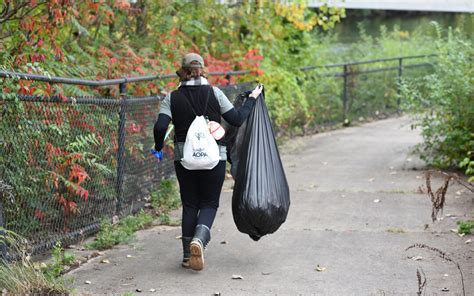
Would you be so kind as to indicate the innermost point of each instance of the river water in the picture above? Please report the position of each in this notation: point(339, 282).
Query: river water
point(348, 29)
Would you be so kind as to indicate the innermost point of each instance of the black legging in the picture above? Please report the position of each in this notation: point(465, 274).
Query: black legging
point(200, 191)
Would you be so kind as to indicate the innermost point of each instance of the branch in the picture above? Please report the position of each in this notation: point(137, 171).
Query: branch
point(6, 16)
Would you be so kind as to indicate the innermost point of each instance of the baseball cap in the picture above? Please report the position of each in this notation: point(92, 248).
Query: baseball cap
point(192, 57)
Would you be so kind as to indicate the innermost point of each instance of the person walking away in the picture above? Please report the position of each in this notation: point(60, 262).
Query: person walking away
point(199, 189)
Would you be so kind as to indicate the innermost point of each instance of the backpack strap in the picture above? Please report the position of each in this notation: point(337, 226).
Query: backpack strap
point(194, 111)
point(206, 104)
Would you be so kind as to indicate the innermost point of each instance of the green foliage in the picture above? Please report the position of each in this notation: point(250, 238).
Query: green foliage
point(465, 227)
point(122, 232)
point(164, 199)
point(67, 154)
point(60, 259)
point(443, 102)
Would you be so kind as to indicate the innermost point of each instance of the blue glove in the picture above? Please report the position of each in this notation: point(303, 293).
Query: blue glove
point(157, 154)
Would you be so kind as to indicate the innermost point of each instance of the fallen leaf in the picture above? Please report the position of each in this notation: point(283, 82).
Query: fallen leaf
point(468, 241)
point(237, 277)
point(376, 200)
point(87, 282)
point(320, 268)
point(445, 289)
point(106, 261)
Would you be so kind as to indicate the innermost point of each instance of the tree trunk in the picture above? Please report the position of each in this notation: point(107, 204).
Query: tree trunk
point(141, 29)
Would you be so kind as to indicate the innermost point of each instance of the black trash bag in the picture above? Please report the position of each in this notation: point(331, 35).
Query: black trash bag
point(234, 135)
point(261, 197)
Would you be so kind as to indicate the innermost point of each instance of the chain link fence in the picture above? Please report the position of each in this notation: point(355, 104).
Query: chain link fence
point(69, 162)
point(66, 163)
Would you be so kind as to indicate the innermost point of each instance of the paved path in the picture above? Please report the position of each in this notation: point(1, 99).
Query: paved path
point(334, 178)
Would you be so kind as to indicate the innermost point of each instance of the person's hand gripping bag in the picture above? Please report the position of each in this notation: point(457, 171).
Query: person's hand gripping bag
point(261, 197)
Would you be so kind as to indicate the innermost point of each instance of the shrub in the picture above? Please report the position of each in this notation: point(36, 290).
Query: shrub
point(443, 102)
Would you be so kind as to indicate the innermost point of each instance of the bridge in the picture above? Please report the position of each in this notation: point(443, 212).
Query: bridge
point(406, 5)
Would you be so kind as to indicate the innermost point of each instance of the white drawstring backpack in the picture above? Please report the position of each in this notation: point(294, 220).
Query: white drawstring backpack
point(200, 150)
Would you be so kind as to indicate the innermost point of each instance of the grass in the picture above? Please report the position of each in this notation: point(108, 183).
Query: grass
point(164, 199)
point(465, 227)
point(395, 230)
point(120, 233)
point(22, 277)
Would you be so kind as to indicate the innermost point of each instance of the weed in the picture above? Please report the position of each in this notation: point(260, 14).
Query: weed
point(166, 198)
point(122, 232)
point(465, 227)
point(396, 230)
point(438, 198)
point(60, 260)
point(442, 255)
point(420, 275)
point(21, 277)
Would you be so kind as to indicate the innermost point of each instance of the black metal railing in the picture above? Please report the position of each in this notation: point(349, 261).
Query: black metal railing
point(350, 69)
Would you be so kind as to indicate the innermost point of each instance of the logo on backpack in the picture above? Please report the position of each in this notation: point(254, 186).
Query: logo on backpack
point(200, 150)
point(199, 153)
point(199, 135)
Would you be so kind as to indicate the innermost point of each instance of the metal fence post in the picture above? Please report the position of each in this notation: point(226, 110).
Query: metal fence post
point(3, 245)
point(344, 95)
point(121, 148)
point(399, 81)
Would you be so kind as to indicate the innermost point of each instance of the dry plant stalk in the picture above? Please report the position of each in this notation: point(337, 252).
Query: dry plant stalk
point(421, 281)
point(438, 198)
point(442, 255)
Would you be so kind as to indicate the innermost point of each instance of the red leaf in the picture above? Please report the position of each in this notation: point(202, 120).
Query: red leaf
point(78, 173)
point(39, 214)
